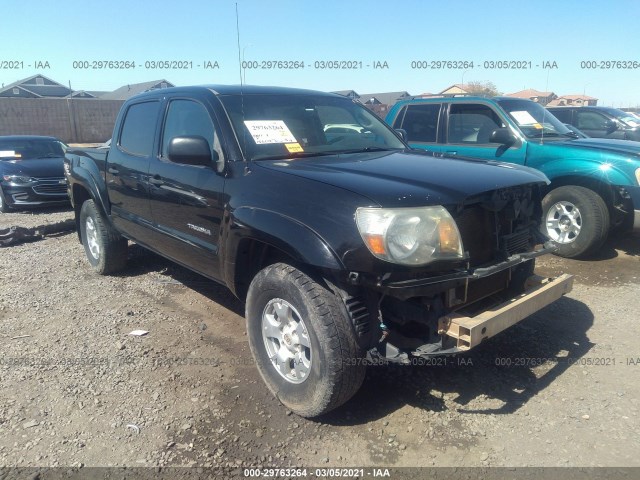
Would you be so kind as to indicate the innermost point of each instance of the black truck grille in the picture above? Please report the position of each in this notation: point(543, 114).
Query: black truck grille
point(477, 228)
point(518, 242)
point(491, 236)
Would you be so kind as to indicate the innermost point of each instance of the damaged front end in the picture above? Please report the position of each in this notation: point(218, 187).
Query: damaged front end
point(450, 307)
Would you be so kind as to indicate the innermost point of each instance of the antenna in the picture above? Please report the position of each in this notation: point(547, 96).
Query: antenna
point(238, 39)
point(244, 133)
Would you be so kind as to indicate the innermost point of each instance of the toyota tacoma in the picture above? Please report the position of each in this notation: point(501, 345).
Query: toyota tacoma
point(346, 245)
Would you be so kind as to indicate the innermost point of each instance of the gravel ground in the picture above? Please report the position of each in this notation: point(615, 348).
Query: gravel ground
point(559, 389)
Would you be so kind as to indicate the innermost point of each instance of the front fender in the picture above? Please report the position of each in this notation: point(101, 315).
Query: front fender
point(600, 171)
point(601, 165)
point(287, 234)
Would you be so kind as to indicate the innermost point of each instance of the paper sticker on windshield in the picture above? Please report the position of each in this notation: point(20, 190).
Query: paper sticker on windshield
point(8, 153)
point(269, 131)
point(537, 126)
point(523, 118)
point(294, 147)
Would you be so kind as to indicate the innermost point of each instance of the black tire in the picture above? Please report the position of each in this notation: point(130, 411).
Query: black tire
point(106, 250)
point(337, 366)
point(594, 220)
point(4, 208)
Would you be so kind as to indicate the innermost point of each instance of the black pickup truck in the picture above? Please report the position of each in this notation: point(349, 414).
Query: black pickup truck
point(347, 246)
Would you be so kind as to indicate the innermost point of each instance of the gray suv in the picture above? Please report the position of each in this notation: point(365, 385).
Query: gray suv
point(600, 122)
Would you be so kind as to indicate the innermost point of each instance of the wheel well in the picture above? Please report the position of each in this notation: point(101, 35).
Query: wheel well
point(80, 195)
point(252, 256)
point(606, 191)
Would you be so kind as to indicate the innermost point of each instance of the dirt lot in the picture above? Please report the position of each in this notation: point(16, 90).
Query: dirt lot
point(560, 389)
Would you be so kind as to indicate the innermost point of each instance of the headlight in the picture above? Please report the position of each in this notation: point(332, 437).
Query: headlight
point(410, 236)
point(19, 179)
point(638, 175)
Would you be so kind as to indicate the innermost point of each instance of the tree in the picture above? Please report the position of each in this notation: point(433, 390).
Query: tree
point(482, 88)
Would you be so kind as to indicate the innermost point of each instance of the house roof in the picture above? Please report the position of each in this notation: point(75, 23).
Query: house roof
point(385, 98)
point(127, 91)
point(578, 97)
point(461, 86)
point(346, 93)
point(82, 94)
point(529, 93)
point(48, 88)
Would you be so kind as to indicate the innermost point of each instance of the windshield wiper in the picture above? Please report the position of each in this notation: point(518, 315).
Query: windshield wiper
point(369, 149)
point(571, 135)
point(545, 134)
point(294, 155)
point(321, 154)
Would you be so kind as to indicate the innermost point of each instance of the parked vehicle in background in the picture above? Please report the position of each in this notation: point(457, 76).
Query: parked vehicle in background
point(595, 183)
point(600, 122)
point(31, 172)
point(578, 133)
point(343, 244)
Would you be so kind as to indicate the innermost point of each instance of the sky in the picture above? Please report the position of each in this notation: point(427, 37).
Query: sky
point(61, 39)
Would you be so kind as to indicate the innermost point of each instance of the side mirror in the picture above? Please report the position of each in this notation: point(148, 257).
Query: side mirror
point(610, 126)
point(193, 150)
point(403, 134)
point(502, 136)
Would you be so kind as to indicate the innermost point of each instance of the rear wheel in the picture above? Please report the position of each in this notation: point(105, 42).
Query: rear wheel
point(577, 219)
point(302, 341)
point(106, 250)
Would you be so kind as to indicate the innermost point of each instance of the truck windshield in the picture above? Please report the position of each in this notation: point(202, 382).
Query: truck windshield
point(624, 117)
point(29, 148)
point(290, 126)
point(534, 120)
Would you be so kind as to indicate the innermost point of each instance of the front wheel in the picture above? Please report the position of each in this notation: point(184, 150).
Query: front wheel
point(576, 218)
point(106, 250)
point(302, 341)
point(4, 208)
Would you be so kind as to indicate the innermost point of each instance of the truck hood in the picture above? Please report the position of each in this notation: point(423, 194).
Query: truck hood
point(34, 167)
point(403, 179)
point(623, 147)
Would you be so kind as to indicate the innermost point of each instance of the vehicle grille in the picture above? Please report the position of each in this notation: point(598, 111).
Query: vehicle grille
point(516, 242)
point(476, 226)
point(50, 186)
point(479, 227)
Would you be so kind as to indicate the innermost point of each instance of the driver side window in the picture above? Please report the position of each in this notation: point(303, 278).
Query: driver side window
point(471, 124)
point(591, 121)
point(189, 118)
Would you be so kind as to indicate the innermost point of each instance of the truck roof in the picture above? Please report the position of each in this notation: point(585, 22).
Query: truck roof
point(238, 90)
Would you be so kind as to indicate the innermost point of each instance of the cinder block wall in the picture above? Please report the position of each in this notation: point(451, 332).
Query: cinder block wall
point(81, 120)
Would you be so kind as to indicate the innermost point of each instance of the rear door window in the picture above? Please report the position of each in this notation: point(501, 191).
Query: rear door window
point(420, 122)
point(563, 115)
point(138, 129)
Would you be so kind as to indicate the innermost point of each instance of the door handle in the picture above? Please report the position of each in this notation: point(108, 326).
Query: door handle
point(113, 171)
point(156, 180)
point(452, 152)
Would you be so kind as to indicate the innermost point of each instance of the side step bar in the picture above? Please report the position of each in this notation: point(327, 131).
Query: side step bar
point(471, 331)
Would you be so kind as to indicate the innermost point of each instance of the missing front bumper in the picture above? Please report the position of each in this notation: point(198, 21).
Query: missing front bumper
point(471, 331)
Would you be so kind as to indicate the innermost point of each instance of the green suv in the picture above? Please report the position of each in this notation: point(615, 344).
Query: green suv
point(595, 182)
